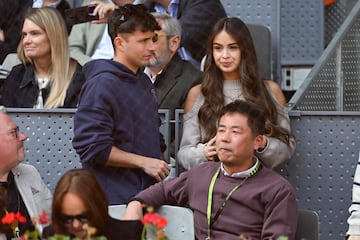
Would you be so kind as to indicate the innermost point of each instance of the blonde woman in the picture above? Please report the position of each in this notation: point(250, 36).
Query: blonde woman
point(46, 77)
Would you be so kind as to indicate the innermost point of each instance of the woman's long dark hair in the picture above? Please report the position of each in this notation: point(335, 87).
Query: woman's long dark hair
point(253, 87)
point(84, 184)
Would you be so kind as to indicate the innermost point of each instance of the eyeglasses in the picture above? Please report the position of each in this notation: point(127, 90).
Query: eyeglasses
point(69, 219)
point(15, 131)
point(156, 36)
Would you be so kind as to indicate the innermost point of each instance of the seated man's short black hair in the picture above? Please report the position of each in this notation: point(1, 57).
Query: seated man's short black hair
point(256, 118)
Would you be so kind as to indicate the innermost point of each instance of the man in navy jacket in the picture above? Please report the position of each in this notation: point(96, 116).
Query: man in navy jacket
point(116, 126)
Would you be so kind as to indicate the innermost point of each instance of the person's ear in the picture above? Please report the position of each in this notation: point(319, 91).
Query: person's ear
point(119, 42)
point(259, 141)
point(174, 43)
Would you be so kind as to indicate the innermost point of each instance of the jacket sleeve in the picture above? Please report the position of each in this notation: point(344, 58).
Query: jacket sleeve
point(191, 151)
point(8, 96)
point(276, 151)
point(354, 210)
point(77, 43)
point(84, 39)
point(34, 192)
point(93, 124)
point(171, 192)
point(280, 217)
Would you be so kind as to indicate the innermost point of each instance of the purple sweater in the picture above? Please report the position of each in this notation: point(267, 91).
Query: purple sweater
point(263, 207)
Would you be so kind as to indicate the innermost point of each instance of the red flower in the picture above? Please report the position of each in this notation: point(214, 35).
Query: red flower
point(9, 218)
point(12, 218)
point(44, 218)
point(161, 222)
point(155, 223)
point(154, 219)
point(20, 218)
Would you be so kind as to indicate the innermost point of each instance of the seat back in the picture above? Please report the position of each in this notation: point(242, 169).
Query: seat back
point(261, 36)
point(308, 225)
point(10, 61)
point(180, 220)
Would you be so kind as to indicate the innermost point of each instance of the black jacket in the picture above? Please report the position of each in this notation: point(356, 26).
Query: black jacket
point(174, 83)
point(20, 89)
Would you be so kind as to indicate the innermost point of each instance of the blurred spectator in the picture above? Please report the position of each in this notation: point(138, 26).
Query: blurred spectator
point(89, 41)
point(21, 187)
point(230, 73)
point(60, 5)
point(11, 19)
point(116, 125)
point(80, 203)
point(47, 77)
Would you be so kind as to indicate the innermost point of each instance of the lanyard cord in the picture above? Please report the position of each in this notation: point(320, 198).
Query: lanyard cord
point(210, 195)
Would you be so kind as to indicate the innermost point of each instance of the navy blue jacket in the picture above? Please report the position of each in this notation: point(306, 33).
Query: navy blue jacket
point(116, 108)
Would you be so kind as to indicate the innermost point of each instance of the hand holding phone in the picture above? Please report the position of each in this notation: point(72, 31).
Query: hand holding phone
point(103, 10)
point(80, 15)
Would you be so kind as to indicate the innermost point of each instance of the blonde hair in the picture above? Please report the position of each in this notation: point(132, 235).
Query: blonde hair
point(62, 67)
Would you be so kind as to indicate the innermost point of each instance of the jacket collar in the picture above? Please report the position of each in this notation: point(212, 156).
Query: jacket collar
point(172, 69)
point(29, 76)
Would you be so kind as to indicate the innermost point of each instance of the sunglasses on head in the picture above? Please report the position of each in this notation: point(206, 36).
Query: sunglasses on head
point(69, 219)
point(130, 9)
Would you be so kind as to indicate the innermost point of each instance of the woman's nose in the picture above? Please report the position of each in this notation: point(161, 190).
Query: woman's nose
point(76, 223)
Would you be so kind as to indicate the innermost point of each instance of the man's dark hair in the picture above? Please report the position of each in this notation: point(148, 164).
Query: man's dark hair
point(256, 119)
point(130, 18)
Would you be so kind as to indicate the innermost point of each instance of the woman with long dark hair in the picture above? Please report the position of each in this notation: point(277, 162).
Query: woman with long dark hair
point(231, 72)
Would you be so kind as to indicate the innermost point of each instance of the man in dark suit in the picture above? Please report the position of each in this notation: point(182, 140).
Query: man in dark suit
point(197, 17)
point(171, 76)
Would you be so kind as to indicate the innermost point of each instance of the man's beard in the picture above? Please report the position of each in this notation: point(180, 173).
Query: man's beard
point(160, 60)
point(153, 62)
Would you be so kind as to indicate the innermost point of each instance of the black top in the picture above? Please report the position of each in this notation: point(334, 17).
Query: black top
point(116, 229)
point(15, 203)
